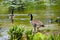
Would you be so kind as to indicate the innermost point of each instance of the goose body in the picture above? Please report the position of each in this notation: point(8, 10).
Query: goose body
point(36, 23)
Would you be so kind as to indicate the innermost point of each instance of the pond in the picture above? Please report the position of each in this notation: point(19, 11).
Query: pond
point(4, 30)
point(44, 11)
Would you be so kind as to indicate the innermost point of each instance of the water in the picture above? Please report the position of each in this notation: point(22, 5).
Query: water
point(4, 31)
point(23, 18)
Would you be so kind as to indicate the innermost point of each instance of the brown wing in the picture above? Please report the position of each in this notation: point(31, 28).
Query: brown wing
point(37, 22)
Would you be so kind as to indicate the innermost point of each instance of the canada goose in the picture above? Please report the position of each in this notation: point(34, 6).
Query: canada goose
point(36, 23)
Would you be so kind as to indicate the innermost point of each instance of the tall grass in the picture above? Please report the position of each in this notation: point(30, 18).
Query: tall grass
point(16, 33)
point(54, 37)
point(29, 35)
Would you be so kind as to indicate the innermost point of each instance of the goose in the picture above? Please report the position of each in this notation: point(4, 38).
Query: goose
point(36, 23)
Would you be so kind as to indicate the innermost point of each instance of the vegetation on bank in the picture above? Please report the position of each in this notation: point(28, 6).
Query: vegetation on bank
point(22, 33)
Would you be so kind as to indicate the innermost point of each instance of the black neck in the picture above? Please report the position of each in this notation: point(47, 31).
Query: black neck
point(31, 18)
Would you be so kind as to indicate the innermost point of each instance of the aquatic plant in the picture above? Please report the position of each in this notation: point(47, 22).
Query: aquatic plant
point(29, 34)
point(39, 36)
point(16, 32)
point(21, 33)
point(54, 37)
